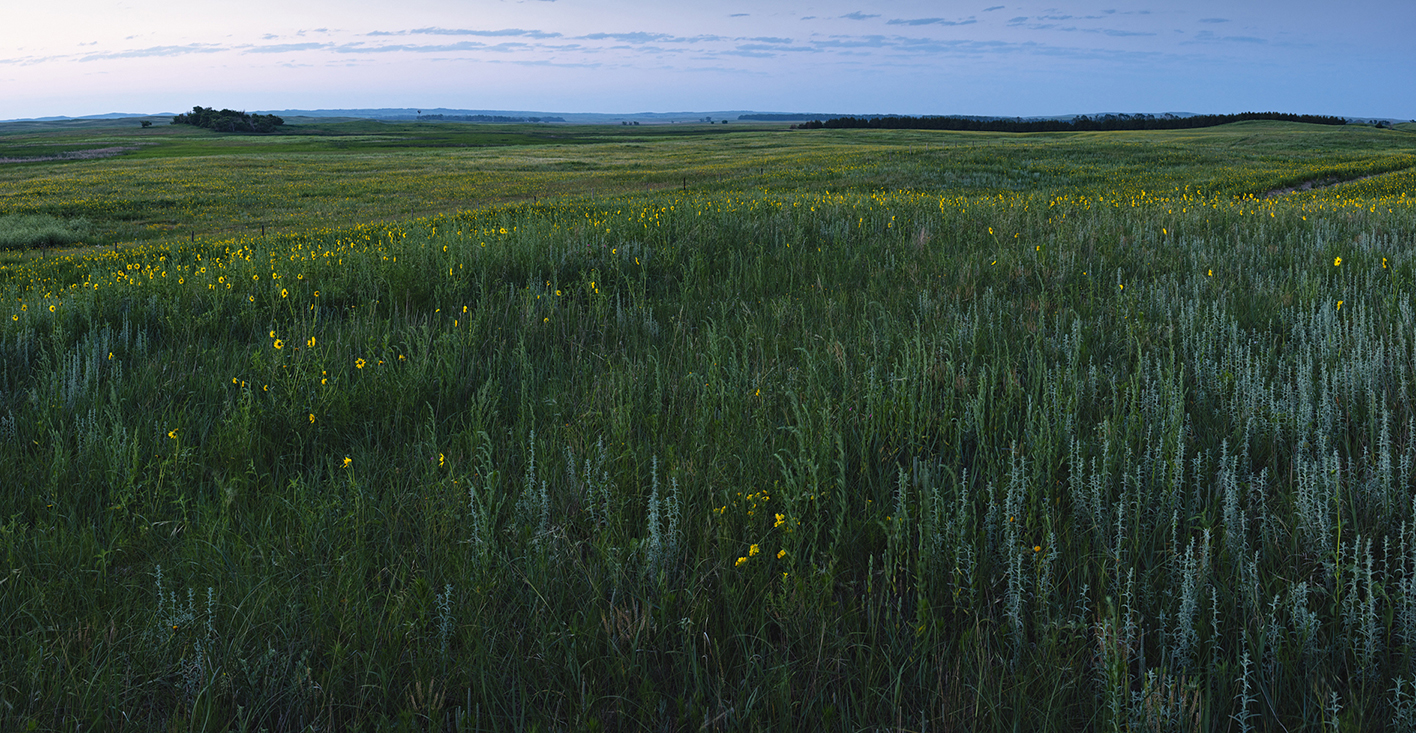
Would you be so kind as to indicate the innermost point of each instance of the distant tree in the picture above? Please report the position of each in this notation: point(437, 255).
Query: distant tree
point(146, 123)
point(227, 120)
point(1081, 123)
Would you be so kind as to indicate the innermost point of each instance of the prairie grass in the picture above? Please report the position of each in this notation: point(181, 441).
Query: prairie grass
point(21, 231)
point(775, 454)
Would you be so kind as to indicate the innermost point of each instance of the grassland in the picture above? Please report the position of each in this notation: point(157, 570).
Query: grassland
point(754, 430)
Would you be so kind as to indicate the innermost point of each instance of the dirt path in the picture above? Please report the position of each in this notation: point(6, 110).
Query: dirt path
point(1321, 183)
point(75, 155)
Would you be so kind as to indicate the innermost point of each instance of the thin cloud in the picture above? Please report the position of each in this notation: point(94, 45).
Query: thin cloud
point(32, 60)
point(490, 34)
point(841, 42)
point(641, 37)
point(635, 37)
point(287, 47)
point(1214, 20)
point(738, 15)
point(157, 51)
point(1021, 22)
point(1209, 37)
point(557, 64)
point(435, 31)
point(774, 48)
point(857, 15)
point(441, 48)
point(929, 21)
point(995, 7)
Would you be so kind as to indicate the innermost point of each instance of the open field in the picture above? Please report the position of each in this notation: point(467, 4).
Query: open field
point(178, 181)
point(738, 431)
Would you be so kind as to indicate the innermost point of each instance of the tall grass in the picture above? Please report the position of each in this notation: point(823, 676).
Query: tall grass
point(22, 231)
point(742, 460)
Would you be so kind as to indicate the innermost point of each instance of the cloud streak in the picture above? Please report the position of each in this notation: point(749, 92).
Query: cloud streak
point(929, 21)
point(190, 48)
point(287, 47)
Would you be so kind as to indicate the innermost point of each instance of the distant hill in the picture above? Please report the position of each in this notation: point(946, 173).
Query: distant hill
point(105, 116)
point(410, 114)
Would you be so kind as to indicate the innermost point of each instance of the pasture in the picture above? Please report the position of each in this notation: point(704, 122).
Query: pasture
point(363, 428)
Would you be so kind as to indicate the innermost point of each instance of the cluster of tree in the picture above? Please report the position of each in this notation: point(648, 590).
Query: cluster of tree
point(228, 120)
point(485, 118)
point(1082, 123)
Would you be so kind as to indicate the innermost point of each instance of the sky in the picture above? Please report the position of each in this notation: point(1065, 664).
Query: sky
point(993, 57)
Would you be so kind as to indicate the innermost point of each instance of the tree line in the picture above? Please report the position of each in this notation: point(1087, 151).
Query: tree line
point(228, 120)
point(1081, 123)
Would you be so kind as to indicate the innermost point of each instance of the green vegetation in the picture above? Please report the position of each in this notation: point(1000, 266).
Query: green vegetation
point(228, 120)
point(171, 183)
point(26, 231)
point(821, 430)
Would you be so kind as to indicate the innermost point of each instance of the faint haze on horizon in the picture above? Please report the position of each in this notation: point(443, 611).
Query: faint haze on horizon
point(86, 57)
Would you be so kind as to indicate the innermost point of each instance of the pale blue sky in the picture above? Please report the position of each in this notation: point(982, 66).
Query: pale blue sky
point(77, 57)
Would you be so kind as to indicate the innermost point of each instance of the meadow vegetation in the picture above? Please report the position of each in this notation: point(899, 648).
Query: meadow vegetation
point(753, 430)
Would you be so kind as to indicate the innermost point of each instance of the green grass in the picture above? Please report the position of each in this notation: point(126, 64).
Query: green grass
point(21, 231)
point(185, 183)
point(1073, 431)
